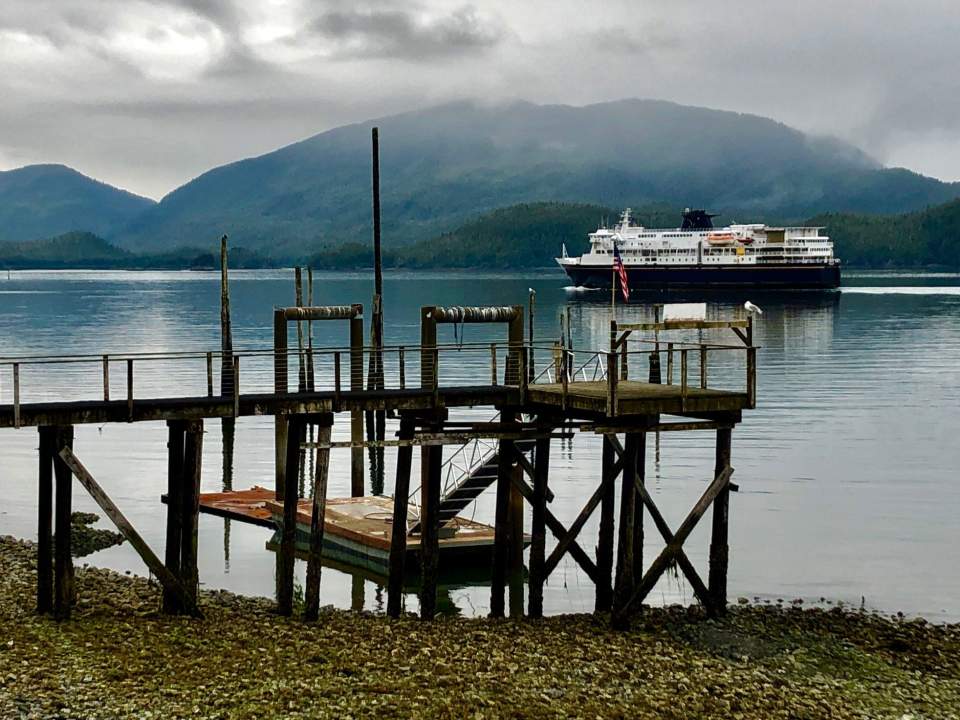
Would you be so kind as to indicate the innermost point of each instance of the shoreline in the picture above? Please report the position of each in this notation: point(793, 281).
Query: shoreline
point(119, 657)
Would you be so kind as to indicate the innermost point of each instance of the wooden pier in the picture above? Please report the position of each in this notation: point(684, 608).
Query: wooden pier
point(616, 392)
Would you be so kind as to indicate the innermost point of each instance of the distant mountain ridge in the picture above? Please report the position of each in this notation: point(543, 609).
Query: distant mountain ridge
point(444, 165)
point(39, 201)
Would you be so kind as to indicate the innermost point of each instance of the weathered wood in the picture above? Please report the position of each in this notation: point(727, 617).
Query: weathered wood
point(105, 360)
point(296, 432)
point(452, 438)
point(558, 530)
point(539, 569)
point(638, 483)
point(515, 568)
point(719, 550)
point(611, 384)
point(493, 363)
point(16, 395)
point(356, 416)
point(63, 587)
point(166, 578)
point(45, 520)
point(606, 428)
point(430, 479)
point(190, 509)
point(129, 390)
point(402, 362)
point(669, 553)
point(280, 369)
point(685, 325)
point(564, 542)
point(670, 363)
point(604, 584)
point(623, 586)
point(751, 377)
point(301, 347)
point(398, 535)
point(703, 366)
point(209, 374)
point(226, 333)
point(501, 537)
point(314, 566)
point(174, 531)
point(236, 386)
point(311, 375)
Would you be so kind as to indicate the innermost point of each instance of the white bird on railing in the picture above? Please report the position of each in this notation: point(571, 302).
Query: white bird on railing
point(751, 308)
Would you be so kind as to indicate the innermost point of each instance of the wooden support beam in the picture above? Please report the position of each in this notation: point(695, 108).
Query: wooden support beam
point(501, 539)
point(190, 509)
point(296, 430)
point(398, 535)
point(539, 570)
point(312, 593)
point(624, 584)
point(638, 483)
point(445, 438)
point(174, 543)
point(356, 416)
point(684, 325)
point(430, 479)
point(606, 428)
point(46, 454)
point(604, 584)
point(64, 591)
point(515, 547)
point(719, 550)
point(564, 542)
point(669, 553)
point(559, 531)
point(166, 578)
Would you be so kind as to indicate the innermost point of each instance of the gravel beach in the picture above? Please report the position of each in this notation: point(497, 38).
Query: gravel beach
point(119, 658)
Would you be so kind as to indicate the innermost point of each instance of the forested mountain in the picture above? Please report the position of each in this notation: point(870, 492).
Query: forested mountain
point(444, 165)
point(40, 201)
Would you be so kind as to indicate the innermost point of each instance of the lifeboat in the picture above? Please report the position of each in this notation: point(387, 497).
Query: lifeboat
point(721, 237)
point(745, 239)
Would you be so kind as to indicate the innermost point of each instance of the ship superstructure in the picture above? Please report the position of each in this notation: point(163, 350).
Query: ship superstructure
point(698, 254)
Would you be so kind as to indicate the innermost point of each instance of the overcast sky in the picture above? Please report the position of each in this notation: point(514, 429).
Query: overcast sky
point(146, 95)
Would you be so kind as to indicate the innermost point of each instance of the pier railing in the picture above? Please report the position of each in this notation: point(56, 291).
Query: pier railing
point(137, 376)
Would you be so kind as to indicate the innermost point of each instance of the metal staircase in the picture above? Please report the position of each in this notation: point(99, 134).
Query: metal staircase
point(470, 470)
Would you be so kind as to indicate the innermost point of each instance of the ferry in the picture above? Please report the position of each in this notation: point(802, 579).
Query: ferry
point(699, 255)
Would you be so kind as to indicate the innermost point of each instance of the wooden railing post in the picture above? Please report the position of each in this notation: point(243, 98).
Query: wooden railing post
point(669, 363)
point(16, 395)
point(209, 374)
point(236, 385)
point(751, 377)
point(683, 373)
point(493, 363)
point(336, 380)
point(611, 384)
point(403, 367)
point(106, 379)
point(703, 366)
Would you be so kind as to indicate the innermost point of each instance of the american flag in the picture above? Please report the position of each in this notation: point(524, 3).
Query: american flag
point(622, 272)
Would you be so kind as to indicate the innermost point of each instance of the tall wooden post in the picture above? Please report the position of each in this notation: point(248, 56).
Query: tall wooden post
point(515, 545)
point(226, 334)
point(640, 480)
point(64, 591)
point(312, 593)
point(604, 598)
point(280, 370)
point(625, 581)
point(501, 537)
point(430, 479)
point(174, 542)
point(719, 550)
point(296, 433)
point(398, 536)
point(538, 529)
point(45, 521)
point(356, 416)
point(190, 508)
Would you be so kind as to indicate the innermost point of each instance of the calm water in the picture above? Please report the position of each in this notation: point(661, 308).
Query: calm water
point(847, 469)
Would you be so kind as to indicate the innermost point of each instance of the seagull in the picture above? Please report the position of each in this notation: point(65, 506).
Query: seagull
point(751, 308)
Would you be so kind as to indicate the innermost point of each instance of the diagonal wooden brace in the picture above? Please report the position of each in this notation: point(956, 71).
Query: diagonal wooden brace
point(699, 588)
point(166, 578)
point(669, 553)
point(571, 535)
point(559, 531)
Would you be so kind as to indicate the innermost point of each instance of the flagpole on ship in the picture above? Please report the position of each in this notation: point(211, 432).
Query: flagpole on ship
point(613, 283)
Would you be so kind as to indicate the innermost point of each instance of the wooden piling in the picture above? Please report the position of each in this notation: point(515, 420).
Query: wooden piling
point(515, 566)
point(280, 370)
point(623, 587)
point(175, 442)
point(604, 592)
point(430, 479)
point(296, 434)
point(64, 591)
point(45, 520)
point(398, 536)
point(312, 593)
point(190, 508)
point(639, 480)
point(501, 537)
point(538, 528)
point(719, 550)
point(226, 333)
point(356, 416)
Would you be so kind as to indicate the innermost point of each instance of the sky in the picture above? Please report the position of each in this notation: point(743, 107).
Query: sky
point(147, 95)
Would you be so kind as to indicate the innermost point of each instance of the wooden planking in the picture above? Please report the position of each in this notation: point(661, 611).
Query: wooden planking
point(96, 492)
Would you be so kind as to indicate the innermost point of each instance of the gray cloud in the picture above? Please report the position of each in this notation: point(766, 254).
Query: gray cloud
point(148, 93)
point(405, 34)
